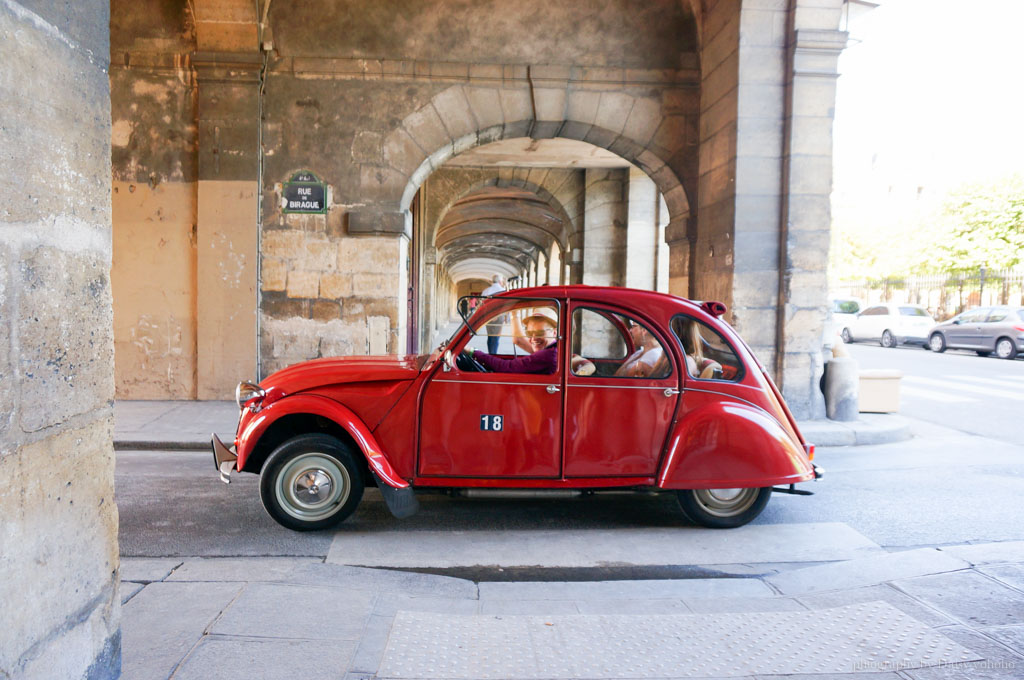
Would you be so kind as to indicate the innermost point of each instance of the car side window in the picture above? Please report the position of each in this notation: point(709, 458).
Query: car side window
point(708, 355)
point(974, 316)
point(996, 316)
point(606, 344)
point(875, 311)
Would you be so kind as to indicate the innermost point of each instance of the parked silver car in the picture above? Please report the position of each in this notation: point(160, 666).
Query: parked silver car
point(985, 330)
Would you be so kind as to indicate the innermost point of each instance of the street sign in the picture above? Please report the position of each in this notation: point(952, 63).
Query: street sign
point(304, 193)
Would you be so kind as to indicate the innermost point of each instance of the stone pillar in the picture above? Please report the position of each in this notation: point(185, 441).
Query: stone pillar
point(58, 522)
point(642, 232)
point(678, 236)
point(604, 226)
point(806, 220)
point(662, 257)
point(227, 233)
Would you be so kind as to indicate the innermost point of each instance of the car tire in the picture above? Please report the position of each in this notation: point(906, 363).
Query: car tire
point(293, 481)
point(937, 343)
point(982, 352)
point(846, 336)
point(723, 508)
point(888, 339)
point(1006, 348)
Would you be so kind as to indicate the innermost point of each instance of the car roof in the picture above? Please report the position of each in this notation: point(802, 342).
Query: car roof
point(610, 294)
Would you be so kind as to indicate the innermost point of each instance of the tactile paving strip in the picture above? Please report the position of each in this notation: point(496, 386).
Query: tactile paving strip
point(870, 637)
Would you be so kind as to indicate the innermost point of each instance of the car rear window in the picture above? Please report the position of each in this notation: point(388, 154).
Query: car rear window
point(912, 311)
point(997, 315)
point(1020, 313)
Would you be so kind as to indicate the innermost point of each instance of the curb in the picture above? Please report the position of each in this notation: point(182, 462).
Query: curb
point(870, 428)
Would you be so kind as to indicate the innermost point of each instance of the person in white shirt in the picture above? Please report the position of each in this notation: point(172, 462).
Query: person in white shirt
point(495, 325)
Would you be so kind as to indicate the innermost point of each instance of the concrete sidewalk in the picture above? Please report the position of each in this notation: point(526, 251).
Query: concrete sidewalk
point(927, 614)
point(187, 425)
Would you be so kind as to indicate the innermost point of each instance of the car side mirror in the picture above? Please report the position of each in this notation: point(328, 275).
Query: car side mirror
point(957, 322)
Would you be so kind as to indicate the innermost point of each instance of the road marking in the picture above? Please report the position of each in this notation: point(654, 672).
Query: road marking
point(936, 396)
point(1008, 383)
point(955, 386)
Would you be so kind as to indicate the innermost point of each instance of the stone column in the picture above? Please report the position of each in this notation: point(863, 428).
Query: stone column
point(642, 232)
point(806, 219)
point(604, 226)
point(59, 602)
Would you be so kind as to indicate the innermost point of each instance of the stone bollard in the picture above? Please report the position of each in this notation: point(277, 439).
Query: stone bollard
point(842, 383)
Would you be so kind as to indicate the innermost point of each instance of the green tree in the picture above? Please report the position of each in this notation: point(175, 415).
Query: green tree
point(983, 226)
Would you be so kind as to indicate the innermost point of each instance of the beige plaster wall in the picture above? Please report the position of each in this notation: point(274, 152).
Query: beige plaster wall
point(228, 258)
point(153, 277)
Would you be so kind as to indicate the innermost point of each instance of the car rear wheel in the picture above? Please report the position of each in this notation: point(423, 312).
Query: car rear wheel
point(888, 339)
point(847, 337)
point(723, 508)
point(937, 343)
point(311, 482)
point(1006, 348)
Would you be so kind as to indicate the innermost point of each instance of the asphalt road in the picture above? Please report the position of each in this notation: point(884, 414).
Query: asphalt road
point(956, 389)
point(942, 487)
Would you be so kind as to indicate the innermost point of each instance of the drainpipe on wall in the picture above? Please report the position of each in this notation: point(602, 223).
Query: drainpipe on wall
point(266, 44)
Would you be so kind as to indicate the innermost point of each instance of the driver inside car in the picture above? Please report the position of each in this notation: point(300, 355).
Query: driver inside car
point(541, 335)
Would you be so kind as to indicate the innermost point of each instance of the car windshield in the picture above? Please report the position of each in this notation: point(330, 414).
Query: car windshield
point(912, 311)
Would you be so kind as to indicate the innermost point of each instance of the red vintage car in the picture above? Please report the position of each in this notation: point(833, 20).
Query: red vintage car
point(592, 389)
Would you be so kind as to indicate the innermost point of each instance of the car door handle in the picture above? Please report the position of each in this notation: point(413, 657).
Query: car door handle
point(671, 391)
point(553, 388)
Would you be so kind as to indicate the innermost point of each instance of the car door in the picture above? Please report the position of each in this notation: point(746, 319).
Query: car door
point(617, 418)
point(967, 333)
point(494, 425)
point(992, 327)
point(871, 323)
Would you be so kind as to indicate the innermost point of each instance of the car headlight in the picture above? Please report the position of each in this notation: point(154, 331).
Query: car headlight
point(246, 393)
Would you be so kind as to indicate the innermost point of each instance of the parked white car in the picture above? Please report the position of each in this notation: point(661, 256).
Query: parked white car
point(890, 324)
point(842, 314)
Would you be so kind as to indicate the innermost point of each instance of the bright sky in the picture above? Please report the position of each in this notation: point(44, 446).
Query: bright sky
point(931, 95)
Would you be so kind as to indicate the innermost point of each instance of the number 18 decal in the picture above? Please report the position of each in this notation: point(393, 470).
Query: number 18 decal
point(492, 423)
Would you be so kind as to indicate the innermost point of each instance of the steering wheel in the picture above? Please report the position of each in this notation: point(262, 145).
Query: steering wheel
point(465, 362)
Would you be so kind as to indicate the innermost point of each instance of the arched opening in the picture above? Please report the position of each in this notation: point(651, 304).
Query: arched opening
point(535, 212)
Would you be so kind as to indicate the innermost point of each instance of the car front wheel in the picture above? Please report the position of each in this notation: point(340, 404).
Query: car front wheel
point(311, 482)
point(1006, 348)
point(888, 339)
point(937, 343)
point(723, 508)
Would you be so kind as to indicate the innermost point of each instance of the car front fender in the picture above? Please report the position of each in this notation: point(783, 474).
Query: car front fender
point(732, 445)
point(312, 404)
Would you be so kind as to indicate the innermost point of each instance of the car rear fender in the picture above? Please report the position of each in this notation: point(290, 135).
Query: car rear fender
point(732, 445)
point(312, 404)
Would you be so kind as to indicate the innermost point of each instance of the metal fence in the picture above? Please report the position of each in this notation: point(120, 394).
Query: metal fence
point(943, 294)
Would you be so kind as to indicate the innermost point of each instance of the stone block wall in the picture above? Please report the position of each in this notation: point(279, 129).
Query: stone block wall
point(58, 537)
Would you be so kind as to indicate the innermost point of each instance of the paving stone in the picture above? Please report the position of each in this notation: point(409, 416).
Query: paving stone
point(220, 658)
point(164, 621)
point(598, 547)
point(660, 646)
point(519, 607)
point(647, 606)
point(129, 590)
point(988, 553)
point(300, 612)
point(382, 580)
point(968, 596)
point(147, 569)
point(736, 605)
point(1010, 574)
point(372, 644)
point(388, 604)
point(865, 571)
point(884, 593)
point(618, 590)
point(1011, 636)
point(251, 569)
point(998, 663)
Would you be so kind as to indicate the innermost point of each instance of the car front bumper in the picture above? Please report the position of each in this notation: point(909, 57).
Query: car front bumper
point(223, 458)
